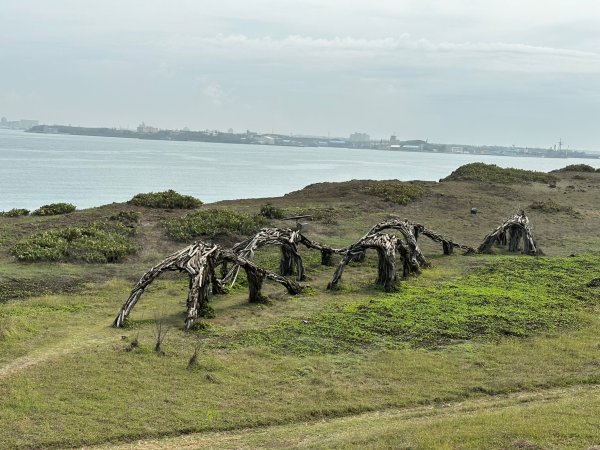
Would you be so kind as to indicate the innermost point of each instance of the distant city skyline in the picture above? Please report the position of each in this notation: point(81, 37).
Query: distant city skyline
point(502, 72)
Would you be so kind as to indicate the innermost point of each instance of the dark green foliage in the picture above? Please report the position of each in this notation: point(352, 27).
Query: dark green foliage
point(54, 209)
point(127, 218)
point(167, 200)
point(271, 212)
point(95, 243)
point(495, 174)
point(212, 222)
point(578, 168)
point(15, 212)
point(396, 192)
point(550, 206)
point(511, 296)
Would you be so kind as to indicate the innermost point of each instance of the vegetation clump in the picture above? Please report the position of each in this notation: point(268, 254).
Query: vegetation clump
point(95, 243)
point(167, 200)
point(578, 168)
point(127, 218)
point(495, 174)
point(213, 222)
point(396, 192)
point(271, 212)
point(15, 212)
point(54, 209)
point(550, 206)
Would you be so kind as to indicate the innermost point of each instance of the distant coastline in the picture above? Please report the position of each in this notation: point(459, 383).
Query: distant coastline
point(249, 137)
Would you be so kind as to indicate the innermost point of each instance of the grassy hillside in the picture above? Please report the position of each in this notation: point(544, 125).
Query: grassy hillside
point(483, 351)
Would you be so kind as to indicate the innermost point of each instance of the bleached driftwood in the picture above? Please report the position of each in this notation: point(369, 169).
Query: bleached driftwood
point(288, 241)
point(510, 233)
point(199, 261)
point(385, 245)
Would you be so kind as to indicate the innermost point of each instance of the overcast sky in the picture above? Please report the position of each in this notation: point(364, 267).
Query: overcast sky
point(482, 72)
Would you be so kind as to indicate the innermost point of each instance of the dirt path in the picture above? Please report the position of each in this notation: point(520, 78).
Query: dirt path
point(311, 434)
point(40, 355)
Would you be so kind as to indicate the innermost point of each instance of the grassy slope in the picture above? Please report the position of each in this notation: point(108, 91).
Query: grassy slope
point(355, 357)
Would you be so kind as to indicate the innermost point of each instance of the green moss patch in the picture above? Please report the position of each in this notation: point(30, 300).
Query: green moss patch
point(578, 168)
point(550, 206)
point(512, 296)
point(496, 174)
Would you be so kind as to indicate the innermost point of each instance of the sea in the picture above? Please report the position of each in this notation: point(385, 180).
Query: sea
point(89, 171)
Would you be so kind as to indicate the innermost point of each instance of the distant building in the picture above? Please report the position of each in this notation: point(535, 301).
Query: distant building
point(23, 124)
point(359, 137)
point(265, 140)
point(143, 128)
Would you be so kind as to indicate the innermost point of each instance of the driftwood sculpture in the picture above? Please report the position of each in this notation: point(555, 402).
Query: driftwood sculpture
point(199, 261)
point(288, 240)
point(510, 233)
point(386, 246)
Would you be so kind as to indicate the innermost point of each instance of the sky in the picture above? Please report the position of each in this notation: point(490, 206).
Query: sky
point(454, 71)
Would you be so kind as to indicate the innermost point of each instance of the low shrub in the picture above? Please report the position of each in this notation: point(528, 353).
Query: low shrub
point(167, 199)
point(396, 192)
point(271, 212)
point(15, 212)
point(550, 206)
point(95, 243)
point(54, 209)
point(212, 222)
point(578, 168)
point(128, 218)
point(495, 174)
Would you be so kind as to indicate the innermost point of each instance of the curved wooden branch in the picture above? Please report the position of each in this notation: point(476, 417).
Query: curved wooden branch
point(199, 261)
point(510, 233)
point(385, 245)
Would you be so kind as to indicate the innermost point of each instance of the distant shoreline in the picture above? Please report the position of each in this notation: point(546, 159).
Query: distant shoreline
point(411, 146)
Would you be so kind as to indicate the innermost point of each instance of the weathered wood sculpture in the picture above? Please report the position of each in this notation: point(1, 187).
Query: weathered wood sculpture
point(386, 246)
point(199, 261)
point(510, 233)
point(288, 240)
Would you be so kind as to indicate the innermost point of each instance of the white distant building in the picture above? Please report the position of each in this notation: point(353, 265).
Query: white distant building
point(359, 137)
point(143, 128)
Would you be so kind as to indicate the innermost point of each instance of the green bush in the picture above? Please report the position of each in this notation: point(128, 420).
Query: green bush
point(167, 199)
point(396, 192)
point(128, 218)
point(550, 206)
point(54, 209)
point(15, 212)
point(271, 212)
point(95, 243)
point(578, 168)
point(212, 222)
point(495, 174)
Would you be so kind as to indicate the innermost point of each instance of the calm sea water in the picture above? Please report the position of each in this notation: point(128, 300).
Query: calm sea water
point(88, 171)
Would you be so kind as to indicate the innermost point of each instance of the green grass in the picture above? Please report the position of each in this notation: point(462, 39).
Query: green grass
point(493, 173)
point(213, 222)
point(167, 200)
point(507, 297)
